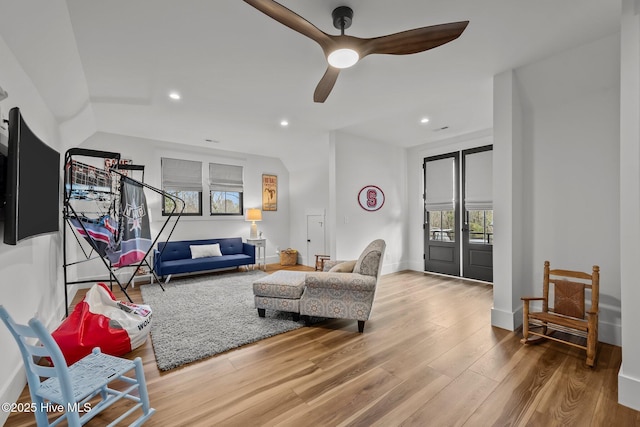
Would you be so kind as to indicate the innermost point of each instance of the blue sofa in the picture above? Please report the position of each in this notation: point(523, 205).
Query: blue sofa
point(175, 257)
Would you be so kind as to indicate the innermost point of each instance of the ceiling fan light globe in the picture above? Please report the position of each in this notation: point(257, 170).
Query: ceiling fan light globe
point(343, 58)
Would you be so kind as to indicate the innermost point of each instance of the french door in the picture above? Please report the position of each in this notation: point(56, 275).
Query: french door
point(441, 225)
point(458, 217)
point(477, 207)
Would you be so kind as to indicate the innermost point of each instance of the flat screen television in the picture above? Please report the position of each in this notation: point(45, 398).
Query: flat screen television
point(32, 184)
point(3, 183)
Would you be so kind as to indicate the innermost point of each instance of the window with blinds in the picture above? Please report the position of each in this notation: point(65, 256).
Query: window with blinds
point(478, 197)
point(182, 179)
point(440, 199)
point(226, 189)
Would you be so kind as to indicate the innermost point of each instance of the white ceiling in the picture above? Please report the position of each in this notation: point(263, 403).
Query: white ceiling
point(240, 72)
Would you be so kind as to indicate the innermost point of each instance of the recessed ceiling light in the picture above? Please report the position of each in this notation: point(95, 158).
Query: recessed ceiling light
point(174, 95)
point(424, 120)
point(284, 123)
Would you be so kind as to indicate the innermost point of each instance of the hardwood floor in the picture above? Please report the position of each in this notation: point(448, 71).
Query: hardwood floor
point(428, 356)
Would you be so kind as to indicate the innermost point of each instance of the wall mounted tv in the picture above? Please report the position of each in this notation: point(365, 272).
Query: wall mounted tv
point(32, 183)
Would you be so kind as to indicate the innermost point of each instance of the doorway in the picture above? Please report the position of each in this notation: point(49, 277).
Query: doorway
point(315, 238)
point(477, 228)
point(441, 221)
point(458, 213)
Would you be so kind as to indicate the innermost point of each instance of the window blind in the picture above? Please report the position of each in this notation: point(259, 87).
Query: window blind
point(225, 178)
point(479, 181)
point(440, 178)
point(181, 175)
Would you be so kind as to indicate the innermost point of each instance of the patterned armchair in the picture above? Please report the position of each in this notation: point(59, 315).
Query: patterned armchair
point(344, 295)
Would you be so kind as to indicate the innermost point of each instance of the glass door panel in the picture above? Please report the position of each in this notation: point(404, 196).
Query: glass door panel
point(441, 216)
point(477, 201)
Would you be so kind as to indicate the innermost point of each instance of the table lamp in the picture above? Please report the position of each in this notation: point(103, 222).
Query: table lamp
point(253, 215)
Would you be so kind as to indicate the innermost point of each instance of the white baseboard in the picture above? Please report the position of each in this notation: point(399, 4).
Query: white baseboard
point(610, 333)
point(393, 268)
point(506, 319)
point(416, 266)
point(275, 259)
point(628, 390)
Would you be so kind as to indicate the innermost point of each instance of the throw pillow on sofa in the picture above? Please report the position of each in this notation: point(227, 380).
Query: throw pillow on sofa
point(202, 251)
point(343, 267)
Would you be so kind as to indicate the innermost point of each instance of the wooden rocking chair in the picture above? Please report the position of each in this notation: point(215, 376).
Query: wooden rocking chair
point(568, 313)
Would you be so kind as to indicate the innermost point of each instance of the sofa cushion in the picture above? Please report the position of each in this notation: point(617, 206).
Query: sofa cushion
point(181, 249)
point(202, 264)
point(174, 251)
point(231, 246)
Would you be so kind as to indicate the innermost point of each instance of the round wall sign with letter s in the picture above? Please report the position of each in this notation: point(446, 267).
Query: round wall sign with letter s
point(371, 198)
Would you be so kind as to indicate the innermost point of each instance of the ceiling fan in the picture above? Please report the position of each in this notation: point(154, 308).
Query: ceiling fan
point(344, 51)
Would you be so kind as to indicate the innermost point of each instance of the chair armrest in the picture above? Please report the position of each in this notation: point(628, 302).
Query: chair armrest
point(156, 261)
point(345, 281)
point(532, 299)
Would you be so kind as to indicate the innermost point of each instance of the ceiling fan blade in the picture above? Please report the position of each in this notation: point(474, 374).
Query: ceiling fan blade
point(292, 20)
point(326, 84)
point(413, 41)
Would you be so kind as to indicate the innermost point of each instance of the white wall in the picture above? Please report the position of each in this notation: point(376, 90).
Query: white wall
point(30, 272)
point(308, 190)
point(358, 163)
point(274, 224)
point(571, 159)
point(629, 374)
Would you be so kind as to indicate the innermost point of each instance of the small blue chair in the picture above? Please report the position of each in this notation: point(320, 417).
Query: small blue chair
point(74, 387)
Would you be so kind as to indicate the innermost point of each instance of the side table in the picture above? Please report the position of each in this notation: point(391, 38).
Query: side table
point(261, 251)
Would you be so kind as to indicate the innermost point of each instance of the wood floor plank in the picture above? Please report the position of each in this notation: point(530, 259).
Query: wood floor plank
point(609, 360)
point(498, 362)
point(428, 356)
point(331, 407)
point(515, 399)
point(455, 403)
point(468, 351)
point(400, 402)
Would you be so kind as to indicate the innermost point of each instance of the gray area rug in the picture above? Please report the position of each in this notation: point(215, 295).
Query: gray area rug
point(198, 317)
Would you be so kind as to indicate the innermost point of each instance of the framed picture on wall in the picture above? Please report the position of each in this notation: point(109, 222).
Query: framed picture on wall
point(269, 192)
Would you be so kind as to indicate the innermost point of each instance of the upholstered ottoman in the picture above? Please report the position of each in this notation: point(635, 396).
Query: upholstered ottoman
point(279, 291)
